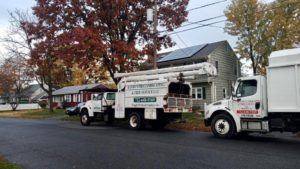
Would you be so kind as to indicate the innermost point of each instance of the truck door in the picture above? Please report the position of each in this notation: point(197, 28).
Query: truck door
point(247, 101)
point(97, 103)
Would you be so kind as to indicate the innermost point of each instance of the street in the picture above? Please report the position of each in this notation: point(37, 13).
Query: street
point(47, 144)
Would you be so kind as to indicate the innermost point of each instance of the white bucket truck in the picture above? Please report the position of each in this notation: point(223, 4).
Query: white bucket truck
point(156, 96)
point(261, 104)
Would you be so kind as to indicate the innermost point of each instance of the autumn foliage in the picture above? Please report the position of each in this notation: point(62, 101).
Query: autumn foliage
point(110, 34)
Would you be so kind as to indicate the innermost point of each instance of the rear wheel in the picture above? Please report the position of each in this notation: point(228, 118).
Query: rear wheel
point(136, 121)
point(85, 119)
point(223, 126)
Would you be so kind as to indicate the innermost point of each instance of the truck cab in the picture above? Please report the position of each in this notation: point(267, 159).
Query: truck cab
point(261, 104)
point(98, 108)
point(244, 111)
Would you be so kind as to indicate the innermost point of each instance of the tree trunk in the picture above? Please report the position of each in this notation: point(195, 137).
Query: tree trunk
point(14, 105)
point(50, 97)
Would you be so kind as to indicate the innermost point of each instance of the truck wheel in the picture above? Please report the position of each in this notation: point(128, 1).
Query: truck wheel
point(136, 121)
point(158, 125)
point(223, 126)
point(85, 119)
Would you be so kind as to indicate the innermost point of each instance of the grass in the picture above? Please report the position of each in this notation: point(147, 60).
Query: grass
point(4, 164)
point(193, 121)
point(32, 114)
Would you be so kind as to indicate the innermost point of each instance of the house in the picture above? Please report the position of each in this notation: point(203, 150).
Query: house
point(72, 95)
point(206, 89)
point(32, 94)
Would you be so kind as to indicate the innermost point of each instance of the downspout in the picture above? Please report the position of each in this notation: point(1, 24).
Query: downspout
point(210, 82)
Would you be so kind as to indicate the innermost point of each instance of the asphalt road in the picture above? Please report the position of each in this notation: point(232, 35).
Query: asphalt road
point(45, 144)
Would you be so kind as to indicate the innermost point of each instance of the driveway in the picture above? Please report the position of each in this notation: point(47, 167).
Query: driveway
point(47, 144)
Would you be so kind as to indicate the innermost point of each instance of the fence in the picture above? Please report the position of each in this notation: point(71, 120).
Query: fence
point(7, 107)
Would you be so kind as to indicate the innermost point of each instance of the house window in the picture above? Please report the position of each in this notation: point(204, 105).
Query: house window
point(217, 65)
point(67, 98)
point(75, 97)
point(79, 98)
point(198, 93)
point(224, 92)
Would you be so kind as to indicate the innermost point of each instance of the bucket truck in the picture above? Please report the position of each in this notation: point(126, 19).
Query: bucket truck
point(156, 96)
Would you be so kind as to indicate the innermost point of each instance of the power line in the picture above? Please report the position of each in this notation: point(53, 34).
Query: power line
point(214, 26)
point(210, 24)
point(203, 20)
point(180, 49)
point(192, 9)
point(197, 27)
point(181, 40)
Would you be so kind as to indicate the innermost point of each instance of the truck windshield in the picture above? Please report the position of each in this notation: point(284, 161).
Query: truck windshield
point(247, 88)
point(110, 96)
point(99, 97)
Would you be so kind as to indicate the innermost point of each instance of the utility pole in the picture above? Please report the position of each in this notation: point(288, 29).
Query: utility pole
point(155, 24)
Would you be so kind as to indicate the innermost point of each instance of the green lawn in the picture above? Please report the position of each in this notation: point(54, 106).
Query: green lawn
point(33, 114)
point(4, 164)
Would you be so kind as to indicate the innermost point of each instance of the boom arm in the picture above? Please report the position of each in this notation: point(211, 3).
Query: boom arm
point(186, 71)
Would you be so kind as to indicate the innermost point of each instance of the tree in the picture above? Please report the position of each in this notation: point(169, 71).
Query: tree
point(110, 34)
point(23, 46)
point(14, 78)
point(262, 28)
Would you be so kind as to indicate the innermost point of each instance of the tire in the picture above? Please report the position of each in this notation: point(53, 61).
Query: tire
point(223, 126)
point(85, 119)
point(158, 125)
point(136, 121)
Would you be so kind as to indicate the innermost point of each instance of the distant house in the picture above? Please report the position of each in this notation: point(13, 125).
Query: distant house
point(71, 95)
point(206, 89)
point(32, 94)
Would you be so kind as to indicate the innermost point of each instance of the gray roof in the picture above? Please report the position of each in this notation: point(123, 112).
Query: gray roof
point(39, 96)
point(182, 53)
point(74, 89)
point(29, 90)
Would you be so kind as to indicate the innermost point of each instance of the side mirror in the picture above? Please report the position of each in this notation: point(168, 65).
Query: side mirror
point(233, 94)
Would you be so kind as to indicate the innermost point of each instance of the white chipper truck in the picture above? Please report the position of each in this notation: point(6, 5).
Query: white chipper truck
point(156, 96)
point(261, 104)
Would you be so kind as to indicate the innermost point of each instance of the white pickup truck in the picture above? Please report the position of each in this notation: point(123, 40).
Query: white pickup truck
point(261, 104)
point(156, 96)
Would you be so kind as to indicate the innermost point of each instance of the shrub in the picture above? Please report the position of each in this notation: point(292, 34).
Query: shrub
point(43, 104)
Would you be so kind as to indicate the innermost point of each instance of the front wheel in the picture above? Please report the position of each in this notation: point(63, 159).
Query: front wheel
point(223, 126)
point(85, 119)
point(136, 121)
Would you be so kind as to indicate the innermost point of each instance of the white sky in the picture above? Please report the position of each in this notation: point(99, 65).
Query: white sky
point(189, 38)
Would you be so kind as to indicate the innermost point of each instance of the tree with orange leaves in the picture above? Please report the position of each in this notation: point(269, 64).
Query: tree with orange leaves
point(112, 34)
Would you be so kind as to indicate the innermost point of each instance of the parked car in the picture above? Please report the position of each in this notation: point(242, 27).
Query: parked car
point(72, 111)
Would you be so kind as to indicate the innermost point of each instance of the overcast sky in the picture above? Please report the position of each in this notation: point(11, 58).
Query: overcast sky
point(189, 38)
point(198, 36)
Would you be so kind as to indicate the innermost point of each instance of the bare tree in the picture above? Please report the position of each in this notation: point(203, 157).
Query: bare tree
point(20, 47)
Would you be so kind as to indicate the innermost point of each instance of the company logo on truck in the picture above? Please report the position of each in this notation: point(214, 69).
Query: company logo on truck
point(144, 99)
